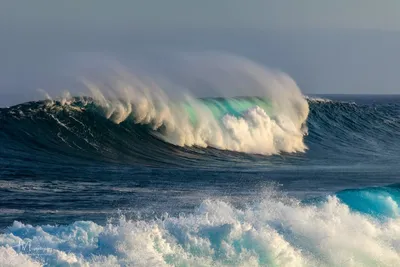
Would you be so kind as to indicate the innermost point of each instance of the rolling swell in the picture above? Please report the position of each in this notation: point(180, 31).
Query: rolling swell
point(82, 129)
point(364, 131)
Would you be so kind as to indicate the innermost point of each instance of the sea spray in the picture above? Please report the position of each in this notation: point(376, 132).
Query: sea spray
point(273, 231)
point(269, 122)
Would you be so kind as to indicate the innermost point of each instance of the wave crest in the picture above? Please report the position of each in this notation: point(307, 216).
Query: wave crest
point(270, 124)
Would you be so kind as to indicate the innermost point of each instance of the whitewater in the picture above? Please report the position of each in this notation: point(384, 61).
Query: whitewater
point(271, 232)
point(139, 171)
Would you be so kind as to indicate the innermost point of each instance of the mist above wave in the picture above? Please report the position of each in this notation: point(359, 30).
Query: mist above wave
point(151, 101)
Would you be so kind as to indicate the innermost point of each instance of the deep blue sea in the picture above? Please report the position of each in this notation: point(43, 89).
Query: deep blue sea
point(205, 182)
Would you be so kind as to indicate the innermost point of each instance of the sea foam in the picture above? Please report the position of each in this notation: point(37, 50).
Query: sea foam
point(274, 231)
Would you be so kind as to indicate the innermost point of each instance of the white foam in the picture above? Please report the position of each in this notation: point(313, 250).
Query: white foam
point(281, 130)
point(271, 232)
point(318, 99)
point(10, 258)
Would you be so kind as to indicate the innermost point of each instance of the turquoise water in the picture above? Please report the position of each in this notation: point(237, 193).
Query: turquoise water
point(233, 106)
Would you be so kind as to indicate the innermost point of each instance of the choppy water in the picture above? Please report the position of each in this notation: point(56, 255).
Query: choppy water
point(84, 184)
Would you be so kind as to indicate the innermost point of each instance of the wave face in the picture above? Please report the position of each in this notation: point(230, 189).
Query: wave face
point(87, 128)
point(365, 131)
point(274, 231)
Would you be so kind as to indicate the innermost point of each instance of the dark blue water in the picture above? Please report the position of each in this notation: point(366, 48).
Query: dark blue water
point(119, 195)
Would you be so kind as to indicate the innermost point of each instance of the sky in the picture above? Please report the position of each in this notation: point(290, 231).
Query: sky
point(342, 46)
point(146, 15)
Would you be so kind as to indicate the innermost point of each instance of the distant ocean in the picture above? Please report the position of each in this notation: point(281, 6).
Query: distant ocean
point(240, 181)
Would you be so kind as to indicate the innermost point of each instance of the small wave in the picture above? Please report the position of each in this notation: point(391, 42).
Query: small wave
point(377, 201)
point(317, 99)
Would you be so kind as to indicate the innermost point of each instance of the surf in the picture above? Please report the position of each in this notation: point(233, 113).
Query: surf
point(275, 230)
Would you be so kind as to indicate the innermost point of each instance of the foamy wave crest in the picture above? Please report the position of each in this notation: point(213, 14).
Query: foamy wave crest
point(271, 232)
point(317, 99)
point(183, 120)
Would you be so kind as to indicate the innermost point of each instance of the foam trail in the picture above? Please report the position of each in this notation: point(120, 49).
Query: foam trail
point(272, 232)
point(255, 130)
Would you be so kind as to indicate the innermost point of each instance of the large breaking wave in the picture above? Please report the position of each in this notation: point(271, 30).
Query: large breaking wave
point(189, 132)
point(236, 124)
point(138, 117)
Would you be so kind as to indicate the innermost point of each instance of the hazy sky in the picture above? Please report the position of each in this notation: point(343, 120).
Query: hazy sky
point(337, 46)
point(205, 14)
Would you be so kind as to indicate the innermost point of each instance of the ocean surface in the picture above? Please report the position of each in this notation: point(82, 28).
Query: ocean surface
point(245, 181)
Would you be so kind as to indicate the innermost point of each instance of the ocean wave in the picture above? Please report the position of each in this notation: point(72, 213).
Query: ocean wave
point(273, 231)
point(131, 119)
point(380, 202)
point(141, 122)
point(314, 99)
point(201, 130)
point(272, 123)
